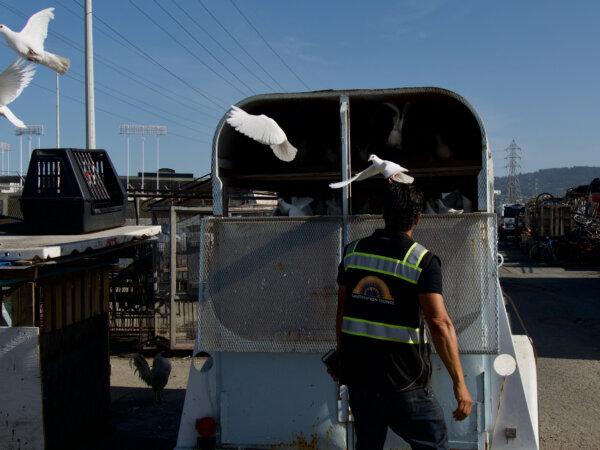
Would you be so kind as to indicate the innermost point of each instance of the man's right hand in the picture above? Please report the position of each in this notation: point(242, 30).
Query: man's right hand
point(464, 400)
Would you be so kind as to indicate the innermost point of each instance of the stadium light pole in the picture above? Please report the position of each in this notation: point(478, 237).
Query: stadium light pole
point(144, 130)
point(29, 131)
point(4, 148)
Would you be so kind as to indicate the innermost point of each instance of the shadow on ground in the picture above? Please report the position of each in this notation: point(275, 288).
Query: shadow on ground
point(137, 422)
point(560, 308)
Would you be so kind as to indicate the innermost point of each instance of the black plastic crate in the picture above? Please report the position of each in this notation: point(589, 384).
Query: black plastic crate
point(72, 191)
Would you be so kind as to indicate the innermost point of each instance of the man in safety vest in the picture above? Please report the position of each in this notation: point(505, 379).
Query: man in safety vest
point(388, 283)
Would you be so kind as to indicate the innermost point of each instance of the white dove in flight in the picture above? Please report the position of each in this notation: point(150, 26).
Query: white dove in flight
point(262, 129)
point(395, 137)
point(29, 42)
point(13, 80)
point(389, 170)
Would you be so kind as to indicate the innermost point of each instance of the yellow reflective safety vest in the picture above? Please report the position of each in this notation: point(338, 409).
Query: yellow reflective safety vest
point(382, 322)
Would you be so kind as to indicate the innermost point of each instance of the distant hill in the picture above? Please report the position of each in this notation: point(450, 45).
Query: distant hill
point(553, 181)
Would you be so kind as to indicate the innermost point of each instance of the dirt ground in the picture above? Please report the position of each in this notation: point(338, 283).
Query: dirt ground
point(561, 311)
point(137, 422)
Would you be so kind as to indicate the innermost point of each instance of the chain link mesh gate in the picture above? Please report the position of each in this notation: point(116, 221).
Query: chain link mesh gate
point(178, 272)
point(269, 284)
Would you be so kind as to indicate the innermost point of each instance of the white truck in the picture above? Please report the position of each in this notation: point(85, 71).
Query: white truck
point(267, 297)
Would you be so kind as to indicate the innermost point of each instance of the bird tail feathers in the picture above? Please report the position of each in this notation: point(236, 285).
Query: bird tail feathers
point(142, 368)
point(57, 63)
point(11, 117)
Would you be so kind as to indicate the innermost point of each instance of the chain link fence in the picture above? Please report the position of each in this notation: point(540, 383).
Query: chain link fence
point(178, 273)
point(269, 284)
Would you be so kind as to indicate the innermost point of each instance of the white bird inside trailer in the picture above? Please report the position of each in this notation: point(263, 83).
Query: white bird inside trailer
point(267, 295)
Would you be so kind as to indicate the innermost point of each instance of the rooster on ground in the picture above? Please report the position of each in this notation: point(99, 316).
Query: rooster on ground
point(157, 377)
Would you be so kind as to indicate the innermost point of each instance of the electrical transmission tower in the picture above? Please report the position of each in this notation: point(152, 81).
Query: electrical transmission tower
point(513, 166)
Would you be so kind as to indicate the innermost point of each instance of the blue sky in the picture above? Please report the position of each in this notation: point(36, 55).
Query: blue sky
point(529, 68)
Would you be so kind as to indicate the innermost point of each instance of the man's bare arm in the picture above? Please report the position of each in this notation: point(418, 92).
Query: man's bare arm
point(445, 341)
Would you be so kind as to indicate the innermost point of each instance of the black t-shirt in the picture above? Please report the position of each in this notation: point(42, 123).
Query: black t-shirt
point(387, 365)
point(430, 281)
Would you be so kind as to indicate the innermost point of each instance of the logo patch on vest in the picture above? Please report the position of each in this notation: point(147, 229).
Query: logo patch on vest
point(373, 289)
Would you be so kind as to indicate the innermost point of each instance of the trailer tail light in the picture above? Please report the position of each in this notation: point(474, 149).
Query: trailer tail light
point(206, 427)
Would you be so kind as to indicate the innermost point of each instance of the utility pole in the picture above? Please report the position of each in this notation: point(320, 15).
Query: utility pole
point(57, 111)
point(89, 79)
point(513, 166)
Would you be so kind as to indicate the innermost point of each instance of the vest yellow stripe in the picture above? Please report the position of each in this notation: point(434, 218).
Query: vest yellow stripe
point(385, 258)
point(381, 331)
point(372, 269)
point(356, 319)
point(409, 252)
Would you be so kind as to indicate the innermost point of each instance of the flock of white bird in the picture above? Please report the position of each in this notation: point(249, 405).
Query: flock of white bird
point(265, 130)
point(29, 45)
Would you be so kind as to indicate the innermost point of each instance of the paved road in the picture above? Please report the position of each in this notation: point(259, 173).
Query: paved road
point(561, 310)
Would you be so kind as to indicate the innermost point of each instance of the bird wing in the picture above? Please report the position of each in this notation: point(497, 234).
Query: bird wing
point(367, 173)
point(301, 202)
point(14, 79)
point(260, 128)
point(402, 178)
point(284, 207)
point(161, 369)
point(11, 117)
point(284, 151)
point(396, 111)
point(36, 28)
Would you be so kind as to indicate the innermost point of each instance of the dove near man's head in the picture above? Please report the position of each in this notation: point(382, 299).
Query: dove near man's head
point(378, 166)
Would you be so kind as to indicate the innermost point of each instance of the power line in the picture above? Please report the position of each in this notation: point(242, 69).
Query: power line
point(191, 53)
point(269, 45)
point(105, 91)
point(116, 67)
point(203, 46)
point(143, 101)
point(148, 84)
point(240, 45)
point(154, 61)
point(120, 69)
point(111, 113)
point(240, 62)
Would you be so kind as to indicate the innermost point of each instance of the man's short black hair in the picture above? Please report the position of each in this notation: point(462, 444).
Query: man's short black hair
point(402, 205)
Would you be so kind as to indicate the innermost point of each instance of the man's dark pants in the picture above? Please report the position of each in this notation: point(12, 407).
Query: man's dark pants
point(414, 415)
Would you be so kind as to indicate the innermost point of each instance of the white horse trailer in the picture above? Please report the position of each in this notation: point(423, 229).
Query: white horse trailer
point(268, 289)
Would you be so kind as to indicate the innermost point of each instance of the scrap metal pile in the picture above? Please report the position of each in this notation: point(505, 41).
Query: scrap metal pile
point(585, 233)
point(563, 229)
